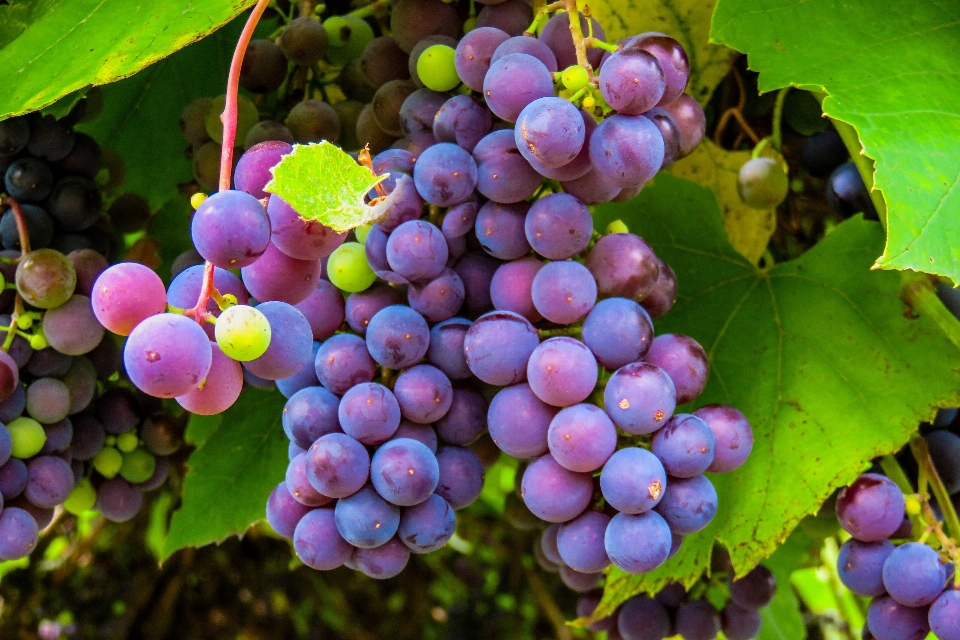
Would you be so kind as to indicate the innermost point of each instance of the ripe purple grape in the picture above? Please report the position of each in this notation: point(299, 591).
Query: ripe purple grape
point(633, 480)
point(461, 476)
point(365, 519)
point(618, 331)
point(474, 52)
point(697, 620)
point(513, 82)
point(632, 81)
point(463, 120)
point(518, 421)
point(553, 493)
point(558, 226)
point(337, 465)
point(284, 512)
point(564, 292)
point(914, 575)
point(318, 543)
point(466, 420)
point(887, 619)
point(343, 362)
point(167, 355)
point(221, 386)
point(688, 504)
point(417, 251)
point(369, 412)
point(324, 309)
point(503, 174)
point(231, 229)
point(549, 132)
point(944, 616)
point(298, 237)
point(628, 150)
point(562, 371)
point(498, 345)
point(404, 472)
point(291, 342)
point(637, 543)
point(126, 294)
point(445, 174)
point(277, 276)
point(397, 337)
point(872, 508)
point(582, 438)
point(253, 170)
point(643, 618)
point(623, 265)
point(18, 533)
point(427, 526)
point(446, 348)
point(639, 398)
point(383, 562)
point(685, 362)
point(685, 445)
point(860, 566)
point(499, 229)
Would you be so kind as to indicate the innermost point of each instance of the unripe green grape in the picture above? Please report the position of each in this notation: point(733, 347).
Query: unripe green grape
point(128, 441)
point(469, 24)
point(247, 116)
point(436, 68)
point(575, 77)
point(242, 333)
point(82, 498)
point(362, 232)
point(762, 183)
point(24, 322)
point(617, 226)
point(348, 35)
point(108, 462)
point(138, 465)
point(38, 340)
point(348, 268)
point(46, 278)
point(28, 437)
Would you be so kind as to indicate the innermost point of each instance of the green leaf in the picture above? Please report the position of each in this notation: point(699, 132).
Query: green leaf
point(781, 618)
point(686, 20)
point(231, 473)
point(54, 47)
point(324, 183)
point(171, 228)
point(64, 105)
point(889, 74)
point(816, 352)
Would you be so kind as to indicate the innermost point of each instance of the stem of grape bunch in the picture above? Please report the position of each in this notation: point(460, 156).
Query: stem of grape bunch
point(918, 446)
point(24, 234)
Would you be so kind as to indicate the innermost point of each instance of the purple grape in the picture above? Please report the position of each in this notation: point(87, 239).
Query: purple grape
point(591, 188)
point(689, 116)
point(556, 34)
point(363, 305)
point(417, 114)
point(463, 120)
point(578, 581)
point(383, 562)
point(627, 150)
point(513, 82)
point(323, 309)
point(424, 394)
point(476, 269)
point(633, 480)
point(404, 472)
point(118, 500)
point(887, 619)
point(422, 433)
point(309, 414)
point(71, 329)
point(684, 360)
point(306, 377)
point(632, 81)
point(126, 294)
point(231, 229)
point(529, 45)
point(118, 410)
point(733, 435)
point(550, 132)
point(13, 478)
point(739, 623)
point(299, 484)
point(474, 52)
point(297, 237)
point(220, 389)
point(511, 287)
point(553, 493)
point(466, 420)
point(580, 542)
point(518, 421)
point(277, 276)
point(284, 512)
point(558, 226)
point(670, 131)
point(643, 618)
point(337, 465)
point(167, 355)
point(580, 166)
point(564, 292)
point(365, 519)
point(944, 616)
point(6, 444)
point(618, 331)
point(49, 481)
point(393, 163)
point(18, 533)
point(342, 362)
point(688, 504)
point(59, 435)
point(549, 544)
point(291, 342)
point(582, 438)
point(427, 526)
point(253, 170)
point(48, 400)
point(913, 574)
point(440, 298)
point(318, 543)
point(403, 204)
point(461, 476)
point(498, 346)
point(446, 348)
point(872, 508)
point(81, 381)
point(697, 620)
point(459, 220)
point(685, 446)
point(637, 543)
point(184, 291)
point(445, 174)
point(513, 16)
point(860, 566)
point(397, 337)
point(370, 413)
point(503, 174)
point(562, 371)
point(499, 229)
point(754, 590)
point(672, 58)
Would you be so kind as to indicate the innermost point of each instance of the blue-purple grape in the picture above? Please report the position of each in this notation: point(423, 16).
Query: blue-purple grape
point(299, 484)
point(582, 438)
point(512, 285)
point(365, 519)
point(318, 542)
point(466, 419)
point(733, 434)
point(291, 342)
point(913, 574)
point(632, 81)
point(383, 562)
point(439, 299)
point(369, 412)
point(754, 590)
point(633, 480)
point(397, 337)
point(49, 481)
point(498, 346)
point(557, 35)
point(887, 619)
point(627, 149)
point(446, 348)
point(422, 433)
point(688, 504)
point(167, 355)
point(363, 305)
point(519, 421)
point(277, 276)
point(739, 623)
point(684, 360)
point(499, 229)
point(639, 398)
point(637, 543)
point(474, 52)
point(284, 512)
point(529, 45)
point(404, 472)
point(503, 174)
point(562, 371)
point(618, 331)
point(323, 309)
point(564, 292)
point(685, 445)
point(427, 526)
point(424, 393)
point(860, 566)
point(476, 269)
point(580, 542)
point(306, 377)
point(417, 114)
point(872, 508)
point(445, 174)
point(697, 620)
point(343, 362)
point(18, 533)
point(558, 226)
point(298, 237)
point(253, 170)
point(337, 465)
point(463, 120)
point(688, 114)
point(513, 82)
point(554, 493)
point(461, 476)
point(231, 229)
point(944, 617)
point(309, 414)
point(643, 618)
point(550, 132)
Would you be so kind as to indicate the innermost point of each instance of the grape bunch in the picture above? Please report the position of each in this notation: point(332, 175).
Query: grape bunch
point(72, 432)
point(912, 585)
point(675, 611)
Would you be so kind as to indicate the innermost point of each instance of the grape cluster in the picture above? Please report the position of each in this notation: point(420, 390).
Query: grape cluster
point(71, 432)
point(911, 585)
point(687, 613)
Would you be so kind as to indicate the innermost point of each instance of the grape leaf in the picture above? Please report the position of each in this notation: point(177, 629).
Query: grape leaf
point(240, 459)
point(686, 20)
point(890, 75)
point(748, 229)
point(53, 47)
point(324, 183)
point(817, 353)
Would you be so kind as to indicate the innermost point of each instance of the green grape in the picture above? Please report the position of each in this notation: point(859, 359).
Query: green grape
point(348, 268)
point(24, 322)
point(28, 437)
point(108, 462)
point(128, 441)
point(82, 498)
point(247, 116)
point(243, 333)
point(38, 340)
point(138, 465)
point(575, 77)
point(762, 183)
point(362, 232)
point(46, 278)
point(436, 68)
point(469, 24)
point(348, 36)
point(617, 226)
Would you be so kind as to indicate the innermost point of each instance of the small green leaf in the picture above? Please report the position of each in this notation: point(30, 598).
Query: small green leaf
point(816, 352)
point(323, 183)
point(64, 105)
point(231, 473)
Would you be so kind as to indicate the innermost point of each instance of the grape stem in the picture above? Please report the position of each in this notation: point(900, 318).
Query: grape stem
point(916, 290)
point(8, 201)
point(596, 43)
point(579, 42)
point(777, 135)
point(895, 472)
point(548, 604)
point(921, 453)
point(370, 9)
point(12, 330)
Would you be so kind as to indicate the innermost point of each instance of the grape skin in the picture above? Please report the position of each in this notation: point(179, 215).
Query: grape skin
point(167, 355)
point(872, 508)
